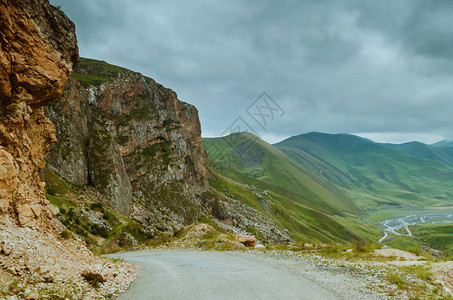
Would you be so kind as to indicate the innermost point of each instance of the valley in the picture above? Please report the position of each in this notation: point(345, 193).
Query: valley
point(356, 182)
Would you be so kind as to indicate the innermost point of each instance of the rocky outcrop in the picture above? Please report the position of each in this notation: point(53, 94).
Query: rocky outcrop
point(134, 141)
point(236, 216)
point(246, 240)
point(38, 52)
point(39, 49)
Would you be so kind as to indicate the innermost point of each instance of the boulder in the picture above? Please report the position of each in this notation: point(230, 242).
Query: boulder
point(246, 240)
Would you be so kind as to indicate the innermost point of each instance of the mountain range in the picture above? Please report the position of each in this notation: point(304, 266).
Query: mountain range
point(340, 176)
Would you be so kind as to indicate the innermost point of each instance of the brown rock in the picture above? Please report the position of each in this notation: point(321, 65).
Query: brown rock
point(38, 51)
point(6, 248)
point(33, 296)
point(39, 48)
point(131, 137)
point(246, 240)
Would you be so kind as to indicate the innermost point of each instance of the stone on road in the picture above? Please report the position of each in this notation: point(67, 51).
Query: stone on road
point(218, 275)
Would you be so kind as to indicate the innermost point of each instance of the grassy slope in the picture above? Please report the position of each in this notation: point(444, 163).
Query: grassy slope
point(374, 176)
point(309, 207)
point(304, 223)
point(331, 178)
point(436, 236)
point(440, 154)
point(94, 72)
point(251, 160)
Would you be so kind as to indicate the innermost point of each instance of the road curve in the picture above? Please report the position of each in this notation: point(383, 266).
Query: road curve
point(218, 275)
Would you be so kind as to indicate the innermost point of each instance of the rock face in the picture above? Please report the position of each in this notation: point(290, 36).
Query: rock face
point(39, 49)
point(246, 240)
point(38, 52)
point(133, 140)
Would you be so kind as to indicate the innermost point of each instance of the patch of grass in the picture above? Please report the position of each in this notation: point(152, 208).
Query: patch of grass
point(362, 246)
point(410, 244)
point(207, 220)
point(435, 236)
point(61, 202)
point(397, 279)
point(95, 72)
point(419, 271)
point(55, 185)
point(416, 282)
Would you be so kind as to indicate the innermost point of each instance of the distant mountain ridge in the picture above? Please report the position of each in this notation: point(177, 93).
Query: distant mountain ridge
point(339, 174)
point(437, 153)
point(443, 144)
point(389, 175)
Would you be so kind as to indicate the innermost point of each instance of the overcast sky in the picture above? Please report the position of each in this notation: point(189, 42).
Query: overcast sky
point(382, 69)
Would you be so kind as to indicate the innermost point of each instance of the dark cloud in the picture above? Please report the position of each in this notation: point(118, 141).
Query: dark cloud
point(373, 67)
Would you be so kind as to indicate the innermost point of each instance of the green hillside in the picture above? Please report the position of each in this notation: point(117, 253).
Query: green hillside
point(309, 207)
point(248, 159)
point(443, 144)
point(324, 186)
point(374, 176)
point(440, 154)
point(303, 223)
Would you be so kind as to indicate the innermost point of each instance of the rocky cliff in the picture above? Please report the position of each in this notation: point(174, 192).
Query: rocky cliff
point(139, 148)
point(38, 52)
point(39, 49)
point(134, 141)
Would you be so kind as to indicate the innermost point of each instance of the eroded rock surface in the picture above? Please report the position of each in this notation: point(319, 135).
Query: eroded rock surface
point(134, 141)
point(38, 52)
point(140, 147)
point(39, 49)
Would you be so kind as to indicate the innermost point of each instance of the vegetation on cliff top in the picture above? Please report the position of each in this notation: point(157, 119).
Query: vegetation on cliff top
point(94, 72)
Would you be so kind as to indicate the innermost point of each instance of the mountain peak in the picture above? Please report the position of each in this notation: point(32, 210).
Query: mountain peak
point(443, 144)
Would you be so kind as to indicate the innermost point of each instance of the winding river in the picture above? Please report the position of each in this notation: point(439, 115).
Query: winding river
point(392, 225)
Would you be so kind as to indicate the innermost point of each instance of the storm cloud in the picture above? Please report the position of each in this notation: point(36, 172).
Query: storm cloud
point(383, 69)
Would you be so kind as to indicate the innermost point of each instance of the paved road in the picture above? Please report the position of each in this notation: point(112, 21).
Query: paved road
point(218, 275)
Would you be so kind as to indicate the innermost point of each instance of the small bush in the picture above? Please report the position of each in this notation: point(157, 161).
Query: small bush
point(51, 191)
point(97, 206)
point(99, 230)
point(66, 234)
point(109, 216)
point(94, 279)
point(363, 247)
point(71, 213)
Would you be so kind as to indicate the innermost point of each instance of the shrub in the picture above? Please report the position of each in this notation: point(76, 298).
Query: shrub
point(362, 246)
point(94, 279)
point(99, 230)
point(66, 234)
point(109, 216)
point(51, 191)
point(97, 206)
